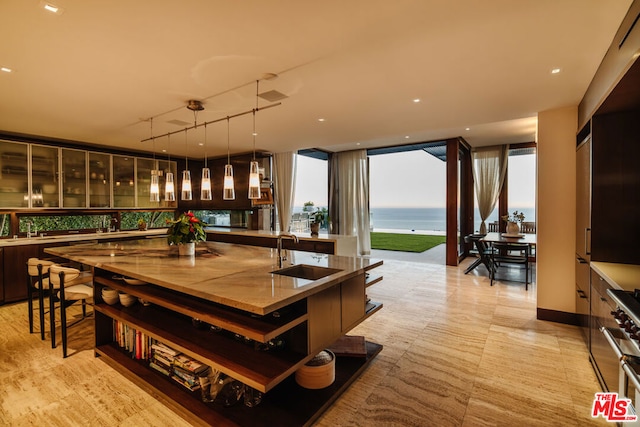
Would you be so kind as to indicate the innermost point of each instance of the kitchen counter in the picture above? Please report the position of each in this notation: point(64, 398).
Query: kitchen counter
point(23, 241)
point(620, 276)
point(234, 275)
point(343, 245)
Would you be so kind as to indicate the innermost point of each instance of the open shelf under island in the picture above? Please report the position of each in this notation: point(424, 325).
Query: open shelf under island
point(245, 304)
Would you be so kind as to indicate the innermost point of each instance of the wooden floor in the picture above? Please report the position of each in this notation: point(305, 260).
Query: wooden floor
point(457, 352)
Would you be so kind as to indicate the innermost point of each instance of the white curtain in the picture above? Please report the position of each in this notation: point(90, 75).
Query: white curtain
point(489, 166)
point(349, 197)
point(284, 165)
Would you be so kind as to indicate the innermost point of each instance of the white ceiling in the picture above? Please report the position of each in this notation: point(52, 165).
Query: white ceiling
point(96, 72)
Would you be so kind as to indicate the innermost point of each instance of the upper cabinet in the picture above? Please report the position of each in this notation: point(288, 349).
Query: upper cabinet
point(74, 178)
point(42, 176)
point(99, 180)
point(14, 175)
point(45, 162)
point(124, 175)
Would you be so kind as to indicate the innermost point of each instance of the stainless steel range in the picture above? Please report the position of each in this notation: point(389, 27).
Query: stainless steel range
point(625, 343)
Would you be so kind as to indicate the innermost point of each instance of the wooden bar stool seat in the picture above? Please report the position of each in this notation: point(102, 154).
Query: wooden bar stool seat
point(72, 285)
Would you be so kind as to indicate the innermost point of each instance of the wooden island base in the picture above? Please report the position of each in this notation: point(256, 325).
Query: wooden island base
point(287, 405)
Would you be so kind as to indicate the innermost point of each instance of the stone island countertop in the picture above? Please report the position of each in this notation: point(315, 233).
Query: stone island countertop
point(344, 245)
point(237, 276)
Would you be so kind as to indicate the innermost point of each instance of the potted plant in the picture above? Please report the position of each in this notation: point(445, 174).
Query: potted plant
point(512, 222)
point(142, 224)
point(185, 231)
point(317, 218)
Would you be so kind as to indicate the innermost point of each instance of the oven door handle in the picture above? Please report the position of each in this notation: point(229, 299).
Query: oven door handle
point(612, 342)
point(631, 374)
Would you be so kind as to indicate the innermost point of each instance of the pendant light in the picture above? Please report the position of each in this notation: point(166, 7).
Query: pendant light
point(228, 191)
point(254, 173)
point(154, 188)
point(169, 187)
point(205, 184)
point(186, 193)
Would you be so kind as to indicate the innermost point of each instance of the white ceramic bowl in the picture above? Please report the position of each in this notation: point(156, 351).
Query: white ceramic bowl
point(110, 300)
point(108, 292)
point(127, 300)
point(134, 281)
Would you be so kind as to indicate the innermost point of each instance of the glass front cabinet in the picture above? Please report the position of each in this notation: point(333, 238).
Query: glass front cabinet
point(40, 176)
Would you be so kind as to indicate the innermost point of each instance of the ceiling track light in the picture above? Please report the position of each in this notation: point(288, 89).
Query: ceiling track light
point(186, 193)
point(228, 189)
point(169, 187)
point(254, 170)
point(154, 187)
point(233, 116)
point(205, 183)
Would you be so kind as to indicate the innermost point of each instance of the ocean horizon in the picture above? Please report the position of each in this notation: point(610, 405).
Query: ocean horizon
point(424, 219)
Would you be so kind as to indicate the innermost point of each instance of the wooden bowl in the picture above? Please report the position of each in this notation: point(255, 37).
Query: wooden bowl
point(319, 372)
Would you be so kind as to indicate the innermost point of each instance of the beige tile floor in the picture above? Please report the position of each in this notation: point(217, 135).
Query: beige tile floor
point(457, 352)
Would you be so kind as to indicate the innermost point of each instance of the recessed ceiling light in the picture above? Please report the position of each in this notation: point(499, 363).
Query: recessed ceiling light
point(200, 144)
point(164, 151)
point(416, 100)
point(6, 70)
point(555, 71)
point(321, 120)
point(50, 7)
point(357, 143)
point(467, 128)
point(406, 137)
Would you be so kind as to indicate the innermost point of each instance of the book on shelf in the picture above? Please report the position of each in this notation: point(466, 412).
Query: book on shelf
point(158, 346)
point(349, 346)
point(186, 376)
point(185, 383)
point(159, 368)
point(189, 364)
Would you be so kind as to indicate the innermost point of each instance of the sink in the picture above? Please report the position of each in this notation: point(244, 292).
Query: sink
point(309, 272)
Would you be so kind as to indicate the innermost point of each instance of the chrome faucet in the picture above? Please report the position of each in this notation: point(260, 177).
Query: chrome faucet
point(29, 223)
point(282, 257)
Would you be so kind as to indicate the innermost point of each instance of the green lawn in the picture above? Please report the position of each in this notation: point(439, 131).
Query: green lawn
point(404, 242)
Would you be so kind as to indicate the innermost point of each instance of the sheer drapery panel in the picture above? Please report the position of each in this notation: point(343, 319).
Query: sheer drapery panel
point(349, 197)
point(489, 167)
point(284, 165)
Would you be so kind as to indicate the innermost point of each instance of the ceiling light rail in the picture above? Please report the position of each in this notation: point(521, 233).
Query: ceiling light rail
point(195, 126)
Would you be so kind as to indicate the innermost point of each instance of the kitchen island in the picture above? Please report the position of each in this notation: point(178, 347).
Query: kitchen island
point(244, 302)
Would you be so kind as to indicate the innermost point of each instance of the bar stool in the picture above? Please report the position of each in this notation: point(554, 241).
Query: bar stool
point(72, 286)
point(37, 284)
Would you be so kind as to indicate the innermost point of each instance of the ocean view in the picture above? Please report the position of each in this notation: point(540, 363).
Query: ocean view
point(424, 219)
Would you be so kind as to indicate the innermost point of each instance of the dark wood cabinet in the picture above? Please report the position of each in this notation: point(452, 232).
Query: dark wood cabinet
point(14, 270)
point(615, 228)
point(2, 275)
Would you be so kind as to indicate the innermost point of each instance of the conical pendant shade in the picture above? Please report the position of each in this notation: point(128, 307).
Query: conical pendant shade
point(169, 188)
point(254, 181)
point(154, 189)
point(228, 192)
point(205, 185)
point(186, 185)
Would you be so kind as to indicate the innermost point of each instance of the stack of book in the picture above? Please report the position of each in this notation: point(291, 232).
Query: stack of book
point(162, 358)
point(168, 361)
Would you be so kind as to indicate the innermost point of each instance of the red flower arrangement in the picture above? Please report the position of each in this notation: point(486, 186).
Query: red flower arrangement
point(186, 228)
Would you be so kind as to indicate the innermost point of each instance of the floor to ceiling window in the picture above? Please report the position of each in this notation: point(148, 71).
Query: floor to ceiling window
point(521, 175)
point(312, 189)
